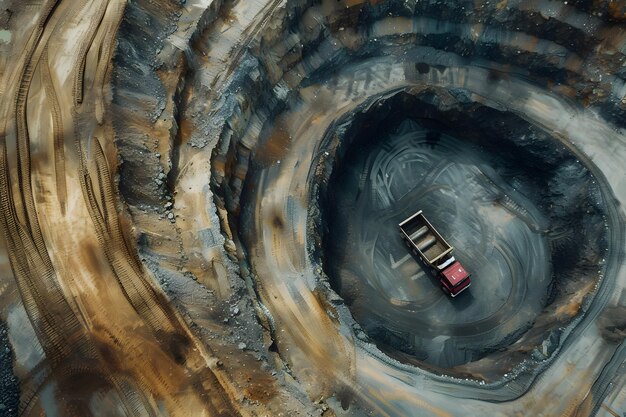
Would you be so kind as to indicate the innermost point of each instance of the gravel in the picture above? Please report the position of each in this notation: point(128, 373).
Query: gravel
point(9, 385)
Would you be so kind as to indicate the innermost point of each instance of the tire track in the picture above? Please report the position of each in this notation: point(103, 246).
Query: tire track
point(79, 75)
point(138, 292)
point(33, 269)
point(57, 128)
point(62, 336)
point(104, 57)
point(149, 304)
point(69, 349)
point(603, 384)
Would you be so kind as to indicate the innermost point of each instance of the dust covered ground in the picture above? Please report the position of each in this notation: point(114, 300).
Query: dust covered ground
point(525, 216)
point(199, 204)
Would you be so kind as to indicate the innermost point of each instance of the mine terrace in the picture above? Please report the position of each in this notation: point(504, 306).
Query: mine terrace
point(312, 208)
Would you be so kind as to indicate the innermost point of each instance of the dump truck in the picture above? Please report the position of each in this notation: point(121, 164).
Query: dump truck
point(426, 243)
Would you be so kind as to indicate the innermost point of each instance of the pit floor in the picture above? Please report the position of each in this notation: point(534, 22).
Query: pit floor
point(497, 234)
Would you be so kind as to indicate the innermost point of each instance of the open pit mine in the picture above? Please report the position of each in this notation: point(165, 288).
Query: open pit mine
point(209, 208)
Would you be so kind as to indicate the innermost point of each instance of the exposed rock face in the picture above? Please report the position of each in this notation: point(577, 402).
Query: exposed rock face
point(200, 202)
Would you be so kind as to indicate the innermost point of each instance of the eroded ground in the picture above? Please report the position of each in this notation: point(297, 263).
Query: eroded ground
point(199, 205)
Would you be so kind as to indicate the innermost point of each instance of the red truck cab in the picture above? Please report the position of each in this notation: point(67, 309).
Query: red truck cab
point(454, 279)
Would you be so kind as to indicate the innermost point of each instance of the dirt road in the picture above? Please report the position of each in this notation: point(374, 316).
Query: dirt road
point(103, 325)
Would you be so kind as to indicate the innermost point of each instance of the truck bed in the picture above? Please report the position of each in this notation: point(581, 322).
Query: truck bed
point(424, 239)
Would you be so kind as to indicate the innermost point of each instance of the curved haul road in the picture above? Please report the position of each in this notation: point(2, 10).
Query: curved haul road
point(241, 129)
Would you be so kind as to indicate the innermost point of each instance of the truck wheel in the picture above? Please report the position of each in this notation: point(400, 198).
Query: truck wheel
point(445, 290)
